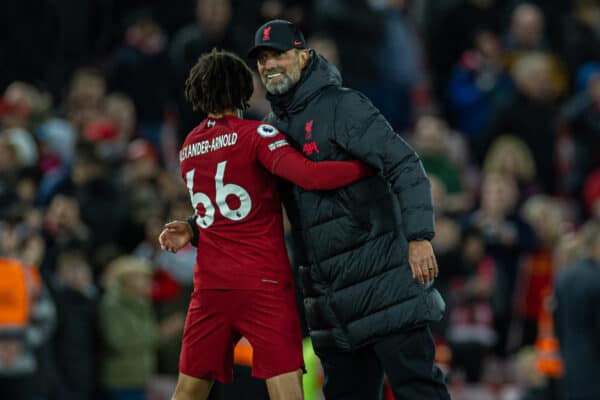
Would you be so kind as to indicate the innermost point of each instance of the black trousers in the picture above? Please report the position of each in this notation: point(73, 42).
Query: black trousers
point(407, 359)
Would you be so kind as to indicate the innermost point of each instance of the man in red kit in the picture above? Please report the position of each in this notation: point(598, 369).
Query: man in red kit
point(243, 281)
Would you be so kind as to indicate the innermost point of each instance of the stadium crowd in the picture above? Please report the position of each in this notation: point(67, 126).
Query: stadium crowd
point(500, 98)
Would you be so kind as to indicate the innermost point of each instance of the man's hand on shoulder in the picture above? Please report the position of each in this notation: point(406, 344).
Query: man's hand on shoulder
point(175, 236)
point(422, 261)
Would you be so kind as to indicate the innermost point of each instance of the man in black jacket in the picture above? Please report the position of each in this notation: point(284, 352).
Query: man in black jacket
point(577, 318)
point(368, 265)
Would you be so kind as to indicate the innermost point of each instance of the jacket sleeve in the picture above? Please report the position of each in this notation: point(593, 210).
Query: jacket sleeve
point(363, 132)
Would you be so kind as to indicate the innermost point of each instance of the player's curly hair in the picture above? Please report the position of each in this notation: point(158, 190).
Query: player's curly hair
point(219, 81)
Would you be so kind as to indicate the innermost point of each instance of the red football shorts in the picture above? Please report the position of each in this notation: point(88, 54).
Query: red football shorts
point(217, 319)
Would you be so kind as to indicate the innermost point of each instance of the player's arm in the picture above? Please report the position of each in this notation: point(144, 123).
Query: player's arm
point(279, 158)
point(324, 175)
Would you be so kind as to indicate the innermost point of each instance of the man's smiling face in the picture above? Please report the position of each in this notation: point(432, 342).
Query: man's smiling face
point(280, 71)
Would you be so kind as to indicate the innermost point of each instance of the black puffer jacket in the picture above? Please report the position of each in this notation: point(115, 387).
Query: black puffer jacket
point(358, 283)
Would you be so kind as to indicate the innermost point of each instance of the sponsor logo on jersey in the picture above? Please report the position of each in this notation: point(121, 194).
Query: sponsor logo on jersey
point(206, 146)
point(277, 144)
point(267, 131)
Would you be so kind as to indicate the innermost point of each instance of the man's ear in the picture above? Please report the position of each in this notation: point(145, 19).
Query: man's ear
point(304, 57)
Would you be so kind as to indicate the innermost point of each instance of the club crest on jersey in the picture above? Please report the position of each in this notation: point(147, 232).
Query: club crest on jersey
point(267, 131)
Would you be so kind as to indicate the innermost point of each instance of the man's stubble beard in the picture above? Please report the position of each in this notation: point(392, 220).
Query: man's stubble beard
point(286, 84)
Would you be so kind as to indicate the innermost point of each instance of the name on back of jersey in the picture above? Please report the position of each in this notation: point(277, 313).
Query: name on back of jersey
point(206, 146)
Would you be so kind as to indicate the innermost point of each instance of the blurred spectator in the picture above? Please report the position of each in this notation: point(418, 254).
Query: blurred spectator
point(382, 63)
point(580, 36)
point(103, 135)
point(401, 63)
point(26, 186)
point(142, 159)
point(26, 153)
point(526, 34)
point(85, 97)
point(172, 284)
point(401, 57)
point(545, 216)
point(478, 84)
point(27, 317)
point(358, 47)
point(471, 330)
point(325, 46)
point(20, 238)
point(431, 142)
point(582, 115)
point(62, 229)
point(526, 31)
point(507, 239)
point(141, 172)
point(446, 246)
point(129, 329)
point(9, 167)
point(75, 340)
point(19, 102)
point(577, 318)
point(102, 203)
point(453, 32)
point(531, 115)
point(172, 190)
point(567, 251)
point(143, 59)
point(120, 110)
point(213, 28)
point(56, 139)
point(113, 132)
point(31, 105)
point(509, 155)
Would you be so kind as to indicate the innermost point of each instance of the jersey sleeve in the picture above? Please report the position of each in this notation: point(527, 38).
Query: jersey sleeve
point(279, 158)
point(323, 175)
point(270, 145)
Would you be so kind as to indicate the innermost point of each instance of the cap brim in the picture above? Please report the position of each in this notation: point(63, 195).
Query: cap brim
point(256, 49)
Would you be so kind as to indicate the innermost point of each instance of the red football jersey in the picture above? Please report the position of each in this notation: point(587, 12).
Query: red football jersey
point(225, 163)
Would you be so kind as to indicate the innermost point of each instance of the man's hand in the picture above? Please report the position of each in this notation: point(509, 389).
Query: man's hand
point(175, 236)
point(422, 261)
